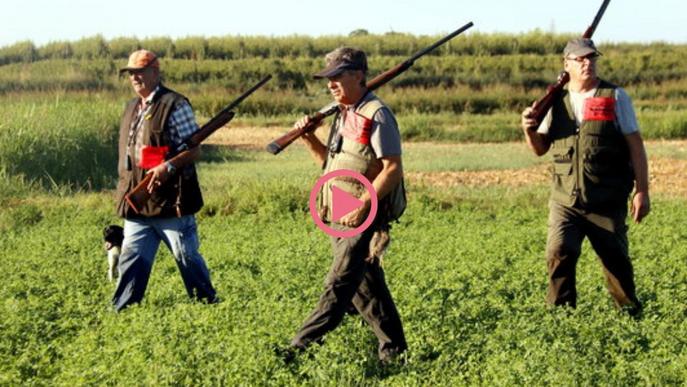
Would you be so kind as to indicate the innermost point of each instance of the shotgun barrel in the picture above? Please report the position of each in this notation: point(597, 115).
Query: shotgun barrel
point(542, 106)
point(285, 140)
point(139, 195)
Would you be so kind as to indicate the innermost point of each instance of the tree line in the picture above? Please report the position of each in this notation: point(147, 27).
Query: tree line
point(242, 47)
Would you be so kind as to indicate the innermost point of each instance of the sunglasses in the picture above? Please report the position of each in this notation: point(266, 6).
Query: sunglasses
point(580, 59)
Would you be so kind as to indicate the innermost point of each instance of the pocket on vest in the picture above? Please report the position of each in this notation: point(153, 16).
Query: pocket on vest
point(561, 175)
point(562, 168)
point(352, 157)
point(601, 161)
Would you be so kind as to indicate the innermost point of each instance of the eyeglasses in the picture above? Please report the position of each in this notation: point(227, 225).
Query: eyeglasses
point(579, 59)
point(136, 71)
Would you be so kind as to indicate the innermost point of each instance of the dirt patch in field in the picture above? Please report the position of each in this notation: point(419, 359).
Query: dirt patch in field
point(504, 177)
point(249, 137)
point(667, 176)
point(252, 137)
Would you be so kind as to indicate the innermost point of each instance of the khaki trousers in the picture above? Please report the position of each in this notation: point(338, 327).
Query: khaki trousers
point(568, 226)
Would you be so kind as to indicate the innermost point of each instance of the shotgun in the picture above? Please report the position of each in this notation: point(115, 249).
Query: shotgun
point(282, 142)
point(542, 106)
point(140, 195)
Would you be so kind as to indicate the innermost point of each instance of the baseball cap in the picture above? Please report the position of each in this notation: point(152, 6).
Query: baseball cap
point(580, 47)
point(342, 59)
point(141, 59)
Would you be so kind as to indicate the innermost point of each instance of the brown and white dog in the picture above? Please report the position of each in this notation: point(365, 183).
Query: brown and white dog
point(113, 236)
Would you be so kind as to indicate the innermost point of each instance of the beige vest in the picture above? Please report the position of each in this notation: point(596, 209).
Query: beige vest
point(358, 156)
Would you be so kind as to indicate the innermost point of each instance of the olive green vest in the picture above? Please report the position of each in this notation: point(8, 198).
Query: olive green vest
point(358, 157)
point(591, 164)
point(180, 195)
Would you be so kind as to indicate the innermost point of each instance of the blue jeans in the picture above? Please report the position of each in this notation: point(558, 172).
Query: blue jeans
point(141, 240)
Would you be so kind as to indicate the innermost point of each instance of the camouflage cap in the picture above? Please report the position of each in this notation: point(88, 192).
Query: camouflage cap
point(342, 59)
point(141, 59)
point(580, 47)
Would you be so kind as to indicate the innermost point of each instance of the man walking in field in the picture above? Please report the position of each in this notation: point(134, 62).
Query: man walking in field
point(598, 155)
point(154, 126)
point(364, 138)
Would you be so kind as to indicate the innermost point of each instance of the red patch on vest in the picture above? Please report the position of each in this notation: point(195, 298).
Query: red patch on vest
point(599, 109)
point(152, 156)
point(357, 128)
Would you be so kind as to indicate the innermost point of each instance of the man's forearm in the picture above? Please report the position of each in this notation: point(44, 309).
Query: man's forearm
point(639, 161)
point(390, 176)
point(386, 181)
point(316, 148)
point(537, 142)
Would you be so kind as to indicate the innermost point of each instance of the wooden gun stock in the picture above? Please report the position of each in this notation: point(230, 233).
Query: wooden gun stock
point(139, 195)
point(380, 80)
point(285, 140)
point(542, 106)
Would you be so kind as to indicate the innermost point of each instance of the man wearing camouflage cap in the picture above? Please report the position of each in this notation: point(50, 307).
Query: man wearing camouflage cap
point(598, 156)
point(365, 138)
point(154, 127)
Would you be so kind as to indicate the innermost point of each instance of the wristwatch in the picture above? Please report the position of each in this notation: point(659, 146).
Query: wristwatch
point(171, 169)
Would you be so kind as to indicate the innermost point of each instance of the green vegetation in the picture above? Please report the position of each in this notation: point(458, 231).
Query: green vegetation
point(61, 143)
point(241, 47)
point(466, 266)
point(484, 80)
point(466, 269)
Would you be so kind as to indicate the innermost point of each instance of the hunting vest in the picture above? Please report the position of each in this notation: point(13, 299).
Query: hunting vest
point(591, 164)
point(349, 148)
point(144, 143)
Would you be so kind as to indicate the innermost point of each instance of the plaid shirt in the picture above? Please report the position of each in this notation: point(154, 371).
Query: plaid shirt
point(182, 123)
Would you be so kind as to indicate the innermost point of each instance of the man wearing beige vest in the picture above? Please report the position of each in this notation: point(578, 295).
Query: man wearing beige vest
point(154, 127)
point(364, 137)
point(598, 157)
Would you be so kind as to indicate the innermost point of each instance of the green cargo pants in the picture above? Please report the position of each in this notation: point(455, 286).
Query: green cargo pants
point(608, 236)
point(353, 278)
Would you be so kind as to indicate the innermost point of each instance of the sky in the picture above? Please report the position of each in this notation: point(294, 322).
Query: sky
point(43, 21)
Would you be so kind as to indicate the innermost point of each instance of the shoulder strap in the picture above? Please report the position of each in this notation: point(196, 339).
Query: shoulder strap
point(370, 108)
point(567, 104)
point(607, 85)
point(606, 90)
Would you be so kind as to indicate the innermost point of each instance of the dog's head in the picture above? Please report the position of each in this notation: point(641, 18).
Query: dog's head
point(113, 236)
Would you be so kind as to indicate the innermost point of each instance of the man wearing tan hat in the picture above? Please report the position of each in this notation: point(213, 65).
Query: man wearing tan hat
point(365, 138)
point(598, 157)
point(154, 127)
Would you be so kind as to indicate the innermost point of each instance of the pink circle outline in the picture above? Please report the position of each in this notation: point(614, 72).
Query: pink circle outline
point(313, 203)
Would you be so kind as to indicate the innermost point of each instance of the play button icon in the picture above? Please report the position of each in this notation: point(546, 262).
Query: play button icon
point(343, 203)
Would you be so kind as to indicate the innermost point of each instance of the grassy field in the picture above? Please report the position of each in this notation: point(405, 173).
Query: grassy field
point(67, 140)
point(466, 268)
point(466, 265)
